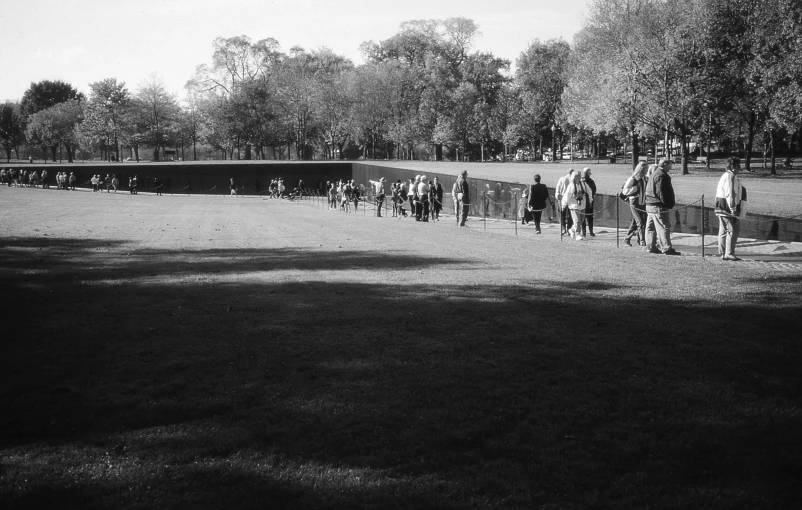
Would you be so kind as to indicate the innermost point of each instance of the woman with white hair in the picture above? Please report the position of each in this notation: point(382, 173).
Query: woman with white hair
point(574, 199)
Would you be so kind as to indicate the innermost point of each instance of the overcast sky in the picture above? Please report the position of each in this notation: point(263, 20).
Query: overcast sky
point(83, 41)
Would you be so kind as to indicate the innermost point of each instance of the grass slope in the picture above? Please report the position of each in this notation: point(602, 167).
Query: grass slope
point(210, 352)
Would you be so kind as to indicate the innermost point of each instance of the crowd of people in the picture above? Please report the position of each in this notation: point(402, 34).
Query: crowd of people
point(424, 195)
point(648, 191)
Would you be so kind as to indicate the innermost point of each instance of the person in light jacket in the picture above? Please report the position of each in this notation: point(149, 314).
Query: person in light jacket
point(574, 199)
point(463, 198)
point(635, 191)
point(728, 209)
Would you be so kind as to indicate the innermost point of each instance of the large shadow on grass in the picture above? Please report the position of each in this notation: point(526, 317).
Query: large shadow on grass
point(341, 394)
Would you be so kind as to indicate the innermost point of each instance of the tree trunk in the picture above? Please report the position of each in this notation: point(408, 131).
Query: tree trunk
point(438, 152)
point(773, 155)
point(684, 151)
point(53, 151)
point(750, 138)
point(635, 146)
point(156, 153)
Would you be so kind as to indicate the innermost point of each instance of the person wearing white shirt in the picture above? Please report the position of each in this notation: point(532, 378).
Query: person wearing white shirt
point(728, 205)
point(559, 193)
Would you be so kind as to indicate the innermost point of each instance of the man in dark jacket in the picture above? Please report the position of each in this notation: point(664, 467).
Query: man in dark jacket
point(538, 195)
point(659, 201)
point(590, 183)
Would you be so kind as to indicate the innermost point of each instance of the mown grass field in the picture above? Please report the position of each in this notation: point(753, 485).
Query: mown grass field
point(207, 352)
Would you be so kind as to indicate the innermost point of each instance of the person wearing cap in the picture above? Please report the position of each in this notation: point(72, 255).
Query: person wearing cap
point(463, 197)
point(659, 201)
point(728, 210)
point(538, 194)
point(94, 180)
point(590, 185)
point(378, 190)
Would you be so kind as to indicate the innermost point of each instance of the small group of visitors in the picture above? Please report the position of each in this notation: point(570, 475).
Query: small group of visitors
point(651, 197)
point(341, 194)
point(575, 193)
point(23, 178)
point(109, 182)
point(425, 197)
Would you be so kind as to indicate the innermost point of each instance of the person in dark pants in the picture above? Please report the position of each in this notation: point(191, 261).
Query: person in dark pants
point(436, 199)
point(378, 193)
point(565, 215)
point(463, 198)
point(423, 194)
point(635, 191)
point(538, 195)
point(587, 226)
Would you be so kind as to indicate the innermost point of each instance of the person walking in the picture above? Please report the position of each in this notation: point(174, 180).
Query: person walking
point(728, 210)
point(574, 200)
point(463, 197)
point(566, 221)
point(659, 201)
point(590, 185)
point(635, 191)
point(538, 195)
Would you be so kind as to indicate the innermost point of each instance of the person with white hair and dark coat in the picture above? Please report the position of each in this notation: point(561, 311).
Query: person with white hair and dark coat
point(659, 201)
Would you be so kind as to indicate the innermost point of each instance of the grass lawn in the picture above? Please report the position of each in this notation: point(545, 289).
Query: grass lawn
point(207, 352)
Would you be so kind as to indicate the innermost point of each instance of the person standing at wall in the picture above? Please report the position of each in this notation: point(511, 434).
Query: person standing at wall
point(590, 185)
point(423, 193)
point(559, 193)
point(659, 201)
point(463, 198)
point(378, 190)
point(635, 191)
point(728, 210)
point(436, 199)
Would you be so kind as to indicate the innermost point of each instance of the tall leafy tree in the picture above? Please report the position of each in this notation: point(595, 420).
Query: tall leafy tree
point(46, 94)
point(12, 128)
point(154, 111)
point(57, 125)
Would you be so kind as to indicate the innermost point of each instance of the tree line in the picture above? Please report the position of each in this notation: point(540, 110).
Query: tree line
point(641, 76)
